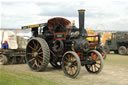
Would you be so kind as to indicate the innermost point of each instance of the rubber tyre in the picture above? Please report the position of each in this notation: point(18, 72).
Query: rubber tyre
point(78, 64)
point(46, 54)
point(122, 50)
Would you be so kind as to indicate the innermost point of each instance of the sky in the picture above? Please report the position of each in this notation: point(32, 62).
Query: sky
point(99, 15)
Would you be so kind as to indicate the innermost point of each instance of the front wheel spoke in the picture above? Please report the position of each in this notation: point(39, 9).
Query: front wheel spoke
point(74, 63)
point(70, 70)
point(98, 63)
point(67, 68)
point(92, 67)
point(65, 62)
point(67, 59)
point(74, 69)
point(96, 67)
point(97, 59)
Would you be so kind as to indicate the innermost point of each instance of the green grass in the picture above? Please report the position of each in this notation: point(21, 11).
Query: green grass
point(8, 77)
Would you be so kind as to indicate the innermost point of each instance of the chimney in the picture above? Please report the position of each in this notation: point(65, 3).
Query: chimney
point(81, 23)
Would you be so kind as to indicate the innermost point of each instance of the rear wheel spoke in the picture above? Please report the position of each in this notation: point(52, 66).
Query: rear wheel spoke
point(34, 44)
point(40, 57)
point(39, 49)
point(31, 60)
point(33, 64)
point(40, 53)
point(31, 47)
point(37, 46)
point(30, 53)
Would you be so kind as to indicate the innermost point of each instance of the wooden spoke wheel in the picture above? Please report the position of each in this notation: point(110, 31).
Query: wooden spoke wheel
point(37, 54)
point(95, 62)
point(3, 59)
point(71, 64)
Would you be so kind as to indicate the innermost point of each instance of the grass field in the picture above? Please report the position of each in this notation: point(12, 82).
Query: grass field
point(115, 72)
point(9, 77)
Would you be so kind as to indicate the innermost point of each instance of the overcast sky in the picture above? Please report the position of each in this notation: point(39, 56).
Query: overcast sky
point(100, 14)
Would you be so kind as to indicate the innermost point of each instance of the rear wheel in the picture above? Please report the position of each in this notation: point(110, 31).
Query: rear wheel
point(37, 54)
point(71, 64)
point(122, 50)
point(95, 62)
point(3, 59)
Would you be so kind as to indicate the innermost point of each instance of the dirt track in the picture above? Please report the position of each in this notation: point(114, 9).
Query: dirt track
point(110, 75)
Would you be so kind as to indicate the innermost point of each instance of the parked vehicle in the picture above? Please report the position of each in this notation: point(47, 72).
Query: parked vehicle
point(118, 43)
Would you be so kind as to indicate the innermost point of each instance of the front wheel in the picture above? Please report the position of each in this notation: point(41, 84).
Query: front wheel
point(94, 62)
point(71, 64)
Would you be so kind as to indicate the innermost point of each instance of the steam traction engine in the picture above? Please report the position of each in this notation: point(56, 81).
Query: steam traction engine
point(63, 46)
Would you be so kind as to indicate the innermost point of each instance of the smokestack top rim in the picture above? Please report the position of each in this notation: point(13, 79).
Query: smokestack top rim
point(81, 10)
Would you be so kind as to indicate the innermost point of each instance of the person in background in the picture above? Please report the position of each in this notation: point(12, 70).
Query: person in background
point(35, 31)
point(5, 45)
